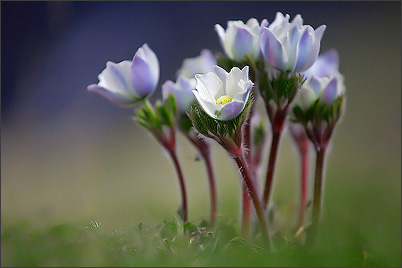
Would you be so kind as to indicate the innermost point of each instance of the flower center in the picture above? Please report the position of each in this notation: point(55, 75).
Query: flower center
point(224, 99)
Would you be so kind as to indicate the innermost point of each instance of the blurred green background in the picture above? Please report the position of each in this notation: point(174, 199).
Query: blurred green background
point(69, 156)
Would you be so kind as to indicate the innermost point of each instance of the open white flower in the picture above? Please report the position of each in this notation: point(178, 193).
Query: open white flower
point(290, 46)
point(223, 95)
point(182, 91)
point(240, 39)
point(128, 82)
point(197, 65)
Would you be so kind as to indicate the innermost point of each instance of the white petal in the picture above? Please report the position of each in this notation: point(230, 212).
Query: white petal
point(209, 85)
point(329, 93)
point(197, 65)
point(221, 33)
point(243, 95)
point(209, 107)
point(290, 45)
point(221, 73)
point(167, 88)
point(144, 71)
point(230, 110)
point(307, 97)
point(316, 46)
point(314, 84)
point(272, 50)
point(116, 78)
point(245, 43)
point(115, 97)
point(232, 82)
point(305, 48)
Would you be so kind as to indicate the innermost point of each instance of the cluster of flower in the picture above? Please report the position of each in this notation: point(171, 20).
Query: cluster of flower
point(213, 99)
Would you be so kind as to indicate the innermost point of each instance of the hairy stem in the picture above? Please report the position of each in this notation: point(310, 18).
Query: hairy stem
point(246, 202)
point(241, 163)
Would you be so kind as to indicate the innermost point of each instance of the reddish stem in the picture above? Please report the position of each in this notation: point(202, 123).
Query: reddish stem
point(182, 185)
point(319, 168)
point(203, 148)
point(212, 188)
point(241, 163)
point(246, 202)
point(276, 135)
point(246, 212)
point(304, 185)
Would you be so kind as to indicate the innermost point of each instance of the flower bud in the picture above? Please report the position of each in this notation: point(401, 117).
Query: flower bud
point(128, 82)
point(290, 46)
point(240, 39)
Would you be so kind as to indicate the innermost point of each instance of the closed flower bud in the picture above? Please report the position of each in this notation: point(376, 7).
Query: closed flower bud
point(290, 46)
point(128, 82)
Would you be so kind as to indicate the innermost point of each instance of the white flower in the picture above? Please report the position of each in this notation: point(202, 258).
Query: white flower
point(223, 95)
point(290, 46)
point(327, 89)
point(324, 80)
point(182, 91)
point(128, 82)
point(240, 39)
point(198, 65)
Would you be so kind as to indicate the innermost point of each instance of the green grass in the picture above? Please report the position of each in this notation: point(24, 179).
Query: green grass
point(341, 242)
point(45, 222)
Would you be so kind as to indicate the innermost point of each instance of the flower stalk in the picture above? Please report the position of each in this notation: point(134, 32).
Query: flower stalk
point(248, 180)
point(303, 145)
point(183, 209)
point(204, 149)
point(278, 95)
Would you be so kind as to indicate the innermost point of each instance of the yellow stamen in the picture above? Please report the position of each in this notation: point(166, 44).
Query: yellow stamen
point(224, 99)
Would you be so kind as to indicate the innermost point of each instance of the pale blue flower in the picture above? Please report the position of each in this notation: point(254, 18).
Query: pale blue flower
point(324, 80)
point(240, 39)
point(182, 91)
point(223, 95)
point(128, 82)
point(290, 46)
point(197, 65)
point(327, 89)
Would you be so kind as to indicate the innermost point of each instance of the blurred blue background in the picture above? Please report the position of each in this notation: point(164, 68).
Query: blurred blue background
point(70, 155)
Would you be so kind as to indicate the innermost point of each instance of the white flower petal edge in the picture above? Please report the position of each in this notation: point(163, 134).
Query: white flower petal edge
point(240, 38)
point(182, 91)
point(290, 46)
point(324, 81)
point(197, 65)
point(327, 89)
point(128, 82)
point(223, 95)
